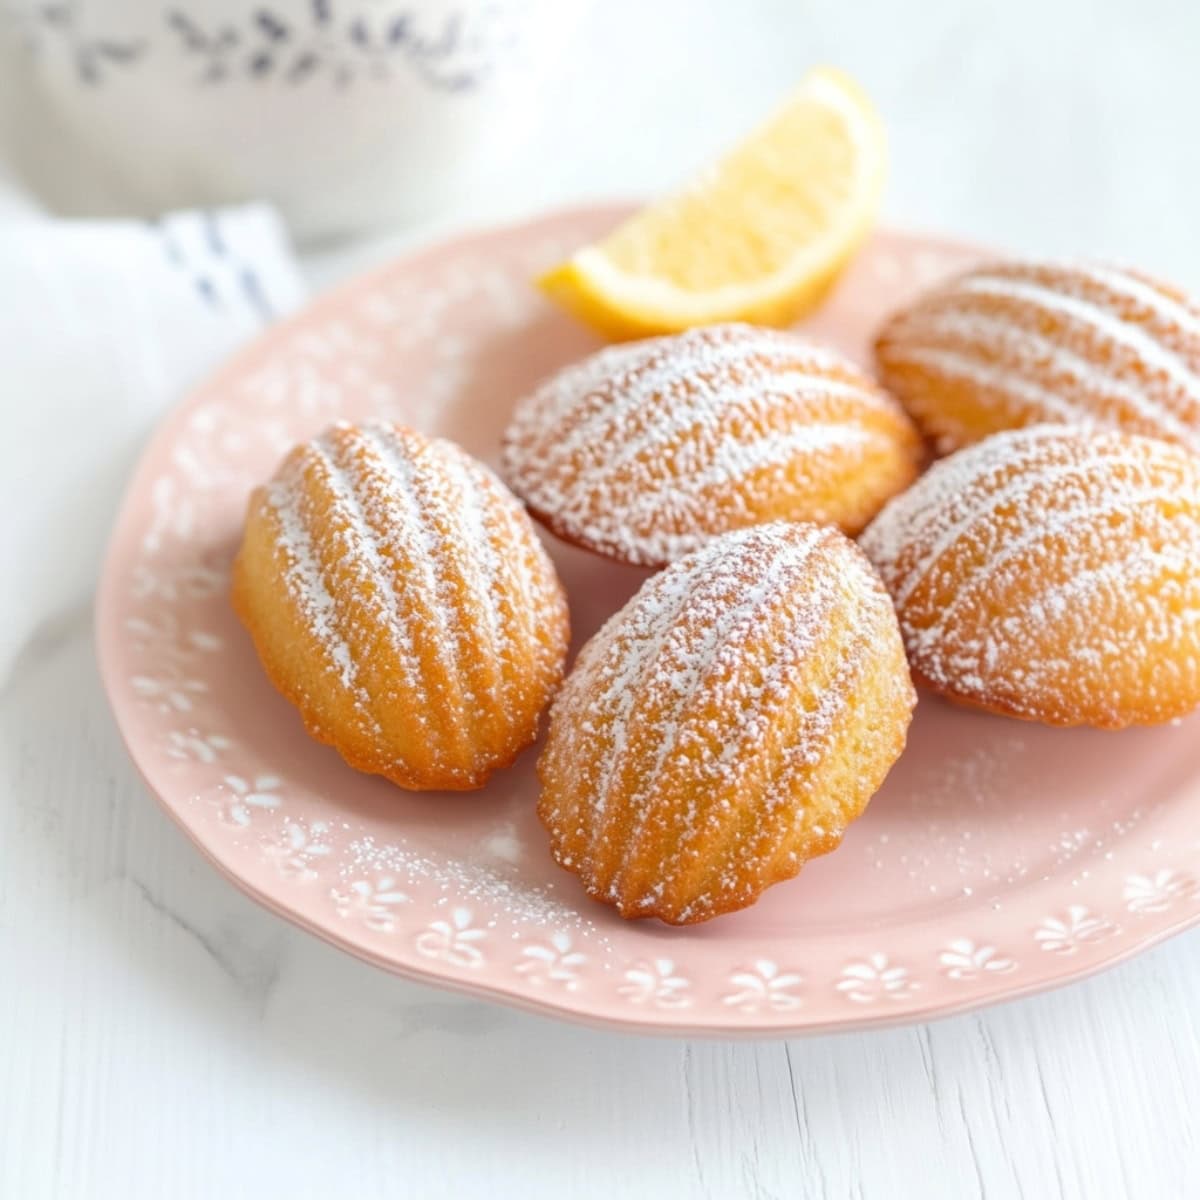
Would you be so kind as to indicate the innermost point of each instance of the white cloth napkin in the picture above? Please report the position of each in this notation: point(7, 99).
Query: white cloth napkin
point(103, 326)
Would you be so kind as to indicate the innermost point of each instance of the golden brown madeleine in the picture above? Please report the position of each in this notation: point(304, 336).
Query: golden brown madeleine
point(1020, 343)
point(398, 595)
point(1053, 574)
point(646, 450)
point(726, 725)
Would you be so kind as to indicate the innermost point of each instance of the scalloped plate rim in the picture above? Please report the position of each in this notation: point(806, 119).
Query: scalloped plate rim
point(573, 1007)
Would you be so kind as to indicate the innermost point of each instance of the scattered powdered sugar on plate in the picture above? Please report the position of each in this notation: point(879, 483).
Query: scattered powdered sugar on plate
point(1136, 799)
point(462, 881)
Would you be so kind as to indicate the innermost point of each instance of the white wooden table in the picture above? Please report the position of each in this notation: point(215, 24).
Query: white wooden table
point(160, 1036)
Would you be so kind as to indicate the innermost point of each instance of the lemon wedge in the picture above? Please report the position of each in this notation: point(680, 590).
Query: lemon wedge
point(759, 236)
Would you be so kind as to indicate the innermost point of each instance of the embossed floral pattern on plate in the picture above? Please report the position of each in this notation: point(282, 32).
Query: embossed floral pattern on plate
point(1019, 859)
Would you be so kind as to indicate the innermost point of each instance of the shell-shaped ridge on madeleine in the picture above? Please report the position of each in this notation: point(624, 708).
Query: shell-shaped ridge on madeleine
point(726, 725)
point(646, 450)
point(1018, 343)
point(1052, 573)
point(398, 594)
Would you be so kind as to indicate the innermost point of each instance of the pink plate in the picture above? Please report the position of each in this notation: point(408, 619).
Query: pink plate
point(1000, 858)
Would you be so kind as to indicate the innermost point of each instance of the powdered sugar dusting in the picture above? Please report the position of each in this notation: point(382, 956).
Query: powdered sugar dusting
point(425, 589)
point(684, 767)
point(462, 881)
point(685, 655)
point(1019, 343)
point(305, 580)
point(1047, 571)
point(647, 450)
point(1017, 815)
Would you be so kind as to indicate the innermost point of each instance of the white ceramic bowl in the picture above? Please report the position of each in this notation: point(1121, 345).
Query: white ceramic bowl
point(347, 114)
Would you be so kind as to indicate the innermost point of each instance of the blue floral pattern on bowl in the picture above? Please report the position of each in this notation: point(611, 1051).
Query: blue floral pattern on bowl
point(339, 44)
